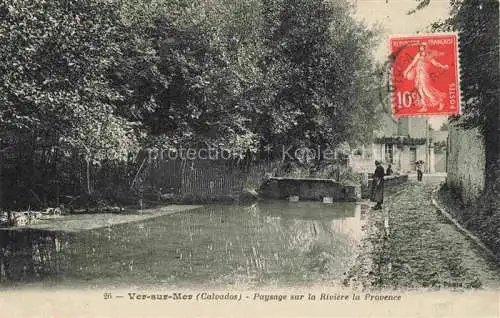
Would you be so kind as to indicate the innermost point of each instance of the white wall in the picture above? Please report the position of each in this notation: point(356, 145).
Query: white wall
point(466, 162)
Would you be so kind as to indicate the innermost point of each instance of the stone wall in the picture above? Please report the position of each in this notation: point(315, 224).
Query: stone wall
point(466, 163)
point(309, 189)
point(389, 181)
point(440, 162)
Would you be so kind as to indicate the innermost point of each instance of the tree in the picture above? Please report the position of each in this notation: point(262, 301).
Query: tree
point(250, 73)
point(317, 77)
point(476, 22)
point(56, 101)
point(86, 83)
point(478, 26)
point(190, 85)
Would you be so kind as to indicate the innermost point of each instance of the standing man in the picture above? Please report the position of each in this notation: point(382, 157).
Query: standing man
point(377, 193)
point(389, 171)
point(420, 167)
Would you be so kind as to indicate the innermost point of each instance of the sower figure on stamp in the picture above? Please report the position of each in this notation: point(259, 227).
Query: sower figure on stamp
point(377, 193)
point(418, 71)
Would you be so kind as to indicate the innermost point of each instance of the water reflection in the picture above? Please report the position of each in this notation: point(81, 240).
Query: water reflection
point(350, 225)
point(279, 243)
point(26, 255)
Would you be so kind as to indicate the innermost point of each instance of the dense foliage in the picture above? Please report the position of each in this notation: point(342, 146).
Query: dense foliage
point(86, 84)
point(246, 74)
point(57, 105)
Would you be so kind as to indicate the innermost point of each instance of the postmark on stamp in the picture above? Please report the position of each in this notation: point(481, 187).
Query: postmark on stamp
point(425, 75)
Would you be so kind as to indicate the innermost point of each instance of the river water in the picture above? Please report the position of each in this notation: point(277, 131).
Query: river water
point(274, 244)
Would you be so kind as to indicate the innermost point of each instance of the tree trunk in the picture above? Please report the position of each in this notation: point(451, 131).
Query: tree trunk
point(1, 181)
point(87, 162)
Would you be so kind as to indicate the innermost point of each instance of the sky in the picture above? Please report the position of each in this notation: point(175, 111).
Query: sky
point(392, 16)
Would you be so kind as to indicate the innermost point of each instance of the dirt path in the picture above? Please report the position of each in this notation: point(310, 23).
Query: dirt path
point(409, 245)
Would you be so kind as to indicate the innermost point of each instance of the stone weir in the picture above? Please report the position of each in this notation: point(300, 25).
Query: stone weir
point(309, 189)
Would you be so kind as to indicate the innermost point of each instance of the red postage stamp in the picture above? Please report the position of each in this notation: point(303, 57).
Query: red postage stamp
point(425, 75)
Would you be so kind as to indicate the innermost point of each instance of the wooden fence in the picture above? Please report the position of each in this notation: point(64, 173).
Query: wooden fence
point(205, 180)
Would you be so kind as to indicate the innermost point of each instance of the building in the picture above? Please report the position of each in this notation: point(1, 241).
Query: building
point(400, 143)
point(440, 142)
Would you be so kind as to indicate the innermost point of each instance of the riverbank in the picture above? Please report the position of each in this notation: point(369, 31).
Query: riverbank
point(480, 218)
point(91, 221)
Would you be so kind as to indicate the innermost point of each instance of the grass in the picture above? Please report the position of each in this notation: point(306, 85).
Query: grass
point(480, 217)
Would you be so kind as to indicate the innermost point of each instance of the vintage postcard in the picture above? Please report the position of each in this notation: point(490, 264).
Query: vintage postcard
point(249, 158)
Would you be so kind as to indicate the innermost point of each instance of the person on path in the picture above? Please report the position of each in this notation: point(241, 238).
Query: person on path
point(377, 192)
point(389, 171)
point(420, 168)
